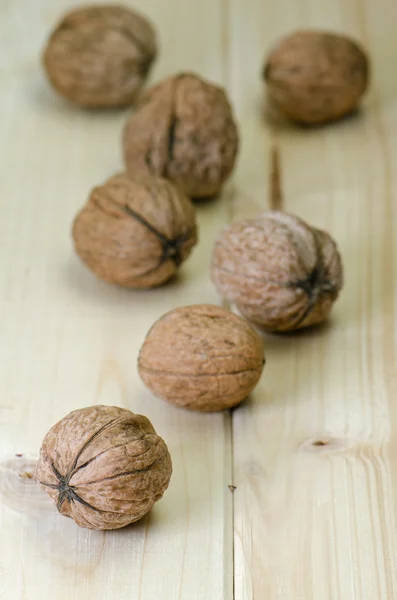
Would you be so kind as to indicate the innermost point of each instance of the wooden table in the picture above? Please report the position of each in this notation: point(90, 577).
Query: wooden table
point(313, 452)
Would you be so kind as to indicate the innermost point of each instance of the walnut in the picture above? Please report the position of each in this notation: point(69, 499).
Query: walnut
point(135, 233)
point(314, 77)
point(280, 273)
point(201, 357)
point(183, 130)
point(104, 466)
point(100, 56)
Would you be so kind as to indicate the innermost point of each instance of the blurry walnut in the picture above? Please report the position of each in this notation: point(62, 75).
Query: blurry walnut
point(100, 55)
point(281, 273)
point(183, 130)
point(313, 77)
point(135, 233)
point(104, 466)
point(201, 357)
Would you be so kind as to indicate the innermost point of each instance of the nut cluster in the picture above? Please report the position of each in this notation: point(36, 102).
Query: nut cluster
point(135, 233)
point(104, 466)
point(313, 77)
point(100, 55)
point(281, 273)
point(183, 130)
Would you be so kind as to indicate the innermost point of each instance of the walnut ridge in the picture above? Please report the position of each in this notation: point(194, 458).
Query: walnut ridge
point(183, 130)
point(135, 233)
point(100, 55)
point(201, 357)
point(314, 77)
point(104, 466)
point(281, 273)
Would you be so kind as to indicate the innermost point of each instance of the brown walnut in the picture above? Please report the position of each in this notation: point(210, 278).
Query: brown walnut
point(183, 130)
point(135, 233)
point(100, 56)
point(278, 271)
point(104, 466)
point(201, 357)
point(313, 77)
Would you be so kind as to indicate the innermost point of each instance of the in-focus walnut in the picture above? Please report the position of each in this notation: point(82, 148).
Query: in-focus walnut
point(201, 357)
point(313, 77)
point(278, 271)
point(100, 56)
point(104, 466)
point(183, 130)
point(135, 233)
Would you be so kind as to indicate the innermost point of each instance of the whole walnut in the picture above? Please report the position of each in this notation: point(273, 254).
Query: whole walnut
point(313, 77)
point(183, 130)
point(104, 466)
point(201, 357)
point(100, 56)
point(135, 233)
point(278, 271)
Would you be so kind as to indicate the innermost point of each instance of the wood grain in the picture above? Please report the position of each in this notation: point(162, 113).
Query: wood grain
point(68, 340)
point(314, 448)
point(312, 453)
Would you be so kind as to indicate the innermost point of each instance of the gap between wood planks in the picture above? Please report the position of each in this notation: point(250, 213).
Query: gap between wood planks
point(275, 186)
point(226, 66)
point(275, 202)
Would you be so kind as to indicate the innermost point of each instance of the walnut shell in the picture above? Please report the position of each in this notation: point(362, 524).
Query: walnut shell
point(104, 466)
point(201, 357)
point(135, 233)
point(100, 55)
point(313, 77)
point(281, 273)
point(183, 130)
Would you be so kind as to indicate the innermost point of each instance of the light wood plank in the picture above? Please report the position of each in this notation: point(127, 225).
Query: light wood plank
point(68, 341)
point(314, 448)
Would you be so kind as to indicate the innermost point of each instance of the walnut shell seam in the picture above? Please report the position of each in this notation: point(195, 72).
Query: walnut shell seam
point(171, 247)
point(291, 284)
point(66, 491)
point(313, 286)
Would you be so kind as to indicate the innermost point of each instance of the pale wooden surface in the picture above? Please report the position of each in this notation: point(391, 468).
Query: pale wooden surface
point(312, 453)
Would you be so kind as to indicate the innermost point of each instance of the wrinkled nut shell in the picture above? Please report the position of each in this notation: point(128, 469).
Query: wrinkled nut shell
point(314, 77)
point(100, 56)
point(281, 273)
point(135, 233)
point(104, 466)
point(201, 357)
point(183, 130)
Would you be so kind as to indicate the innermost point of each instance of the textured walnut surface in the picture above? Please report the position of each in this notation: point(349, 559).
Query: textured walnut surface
point(315, 77)
point(201, 357)
point(135, 233)
point(281, 273)
point(100, 55)
point(104, 466)
point(183, 130)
